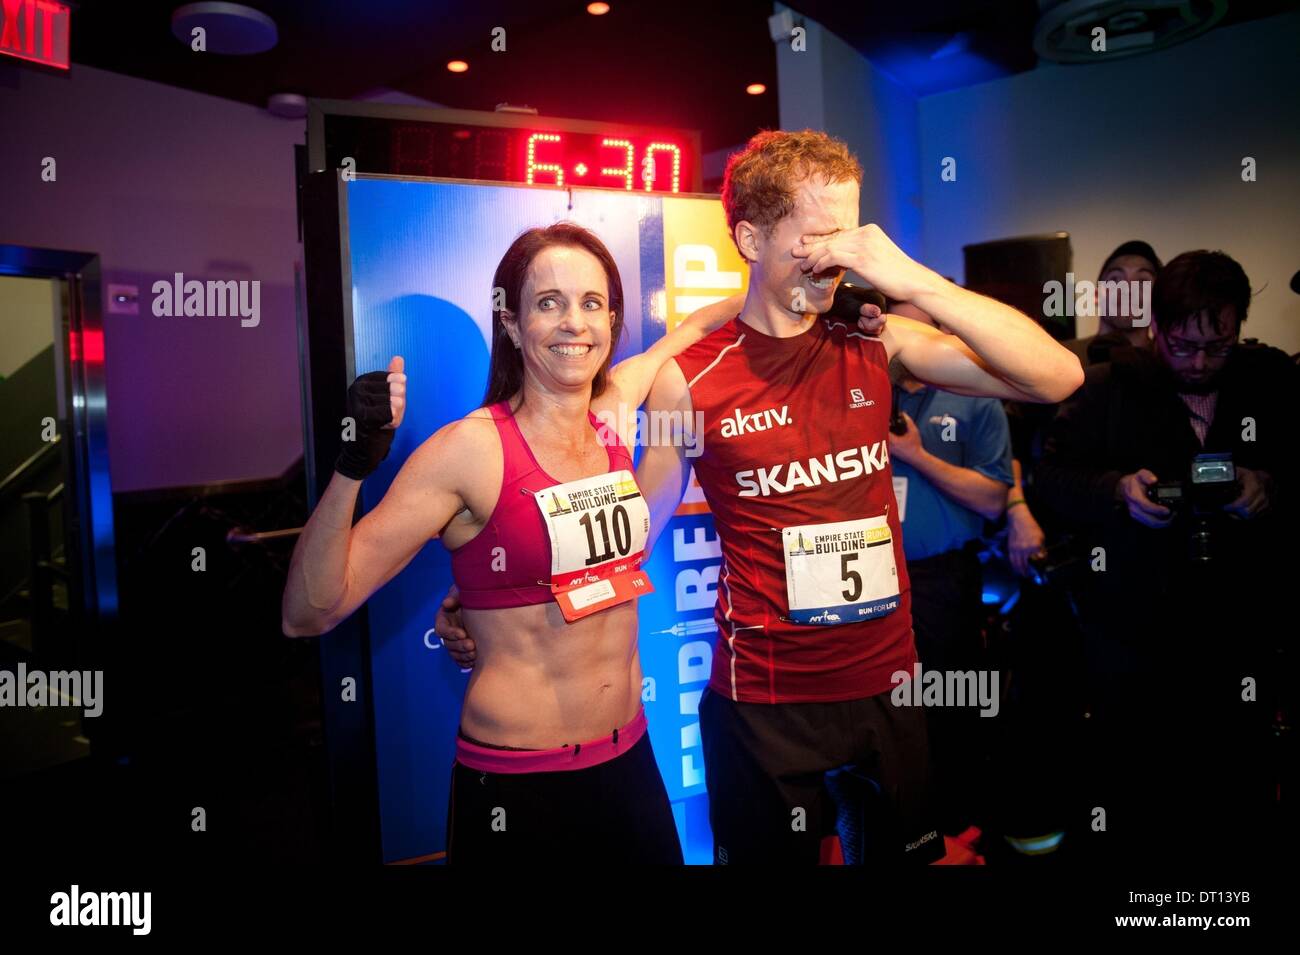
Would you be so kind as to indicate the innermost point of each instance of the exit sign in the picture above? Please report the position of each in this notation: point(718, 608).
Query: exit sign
point(36, 31)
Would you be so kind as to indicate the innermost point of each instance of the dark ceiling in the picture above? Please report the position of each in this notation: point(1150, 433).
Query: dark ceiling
point(678, 63)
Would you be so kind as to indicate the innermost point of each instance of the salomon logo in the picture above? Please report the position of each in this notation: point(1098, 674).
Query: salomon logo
point(741, 423)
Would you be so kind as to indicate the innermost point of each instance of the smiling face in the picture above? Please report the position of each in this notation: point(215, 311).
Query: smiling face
point(1131, 270)
point(563, 328)
point(821, 209)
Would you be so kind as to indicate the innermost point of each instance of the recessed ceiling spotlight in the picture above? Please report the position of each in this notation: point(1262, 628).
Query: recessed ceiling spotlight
point(755, 89)
point(458, 66)
point(598, 9)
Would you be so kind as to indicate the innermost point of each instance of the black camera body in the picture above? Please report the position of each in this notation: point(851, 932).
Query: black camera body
point(1210, 484)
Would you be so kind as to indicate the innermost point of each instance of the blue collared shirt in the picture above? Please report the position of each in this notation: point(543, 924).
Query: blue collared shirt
point(966, 432)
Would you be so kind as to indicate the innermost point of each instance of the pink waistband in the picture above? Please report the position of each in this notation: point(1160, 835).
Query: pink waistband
point(582, 756)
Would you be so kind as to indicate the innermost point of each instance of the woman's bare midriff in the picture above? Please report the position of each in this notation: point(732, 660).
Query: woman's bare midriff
point(540, 682)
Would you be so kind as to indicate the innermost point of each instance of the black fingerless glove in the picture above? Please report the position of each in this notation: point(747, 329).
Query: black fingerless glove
point(369, 406)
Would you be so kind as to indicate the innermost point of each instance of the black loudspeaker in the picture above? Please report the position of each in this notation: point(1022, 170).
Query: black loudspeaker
point(1015, 271)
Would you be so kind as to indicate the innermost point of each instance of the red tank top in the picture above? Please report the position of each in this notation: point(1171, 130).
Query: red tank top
point(794, 439)
point(508, 562)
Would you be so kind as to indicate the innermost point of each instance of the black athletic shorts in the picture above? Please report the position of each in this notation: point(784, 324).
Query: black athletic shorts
point(781, 776)
point(614, 813)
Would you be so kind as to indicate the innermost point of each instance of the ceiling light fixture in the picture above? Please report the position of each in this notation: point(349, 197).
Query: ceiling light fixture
point(287, 105)
point(229, 28)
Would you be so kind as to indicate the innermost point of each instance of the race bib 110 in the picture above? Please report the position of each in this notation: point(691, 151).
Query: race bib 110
point(598, 528)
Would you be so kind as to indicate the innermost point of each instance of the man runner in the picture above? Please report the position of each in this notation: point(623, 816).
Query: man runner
point(813, 609)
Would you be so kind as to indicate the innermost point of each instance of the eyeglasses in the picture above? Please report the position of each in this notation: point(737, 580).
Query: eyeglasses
point(1180, 348)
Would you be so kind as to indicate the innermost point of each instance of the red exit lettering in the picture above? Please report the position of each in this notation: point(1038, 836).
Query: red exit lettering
point(36, 31)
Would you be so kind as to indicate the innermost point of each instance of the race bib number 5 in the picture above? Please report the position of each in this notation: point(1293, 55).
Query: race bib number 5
point(841, 572)
point(598, 528)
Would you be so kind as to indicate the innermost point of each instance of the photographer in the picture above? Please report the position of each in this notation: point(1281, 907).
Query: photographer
point(1045, 707)
point(1135, 264)
point(1180, 607)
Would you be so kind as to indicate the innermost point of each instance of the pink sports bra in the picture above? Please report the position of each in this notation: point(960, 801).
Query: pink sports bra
point(515, 534)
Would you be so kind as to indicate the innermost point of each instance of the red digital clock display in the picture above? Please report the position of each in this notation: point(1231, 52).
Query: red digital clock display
point(622, 163)
point(607, 159)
